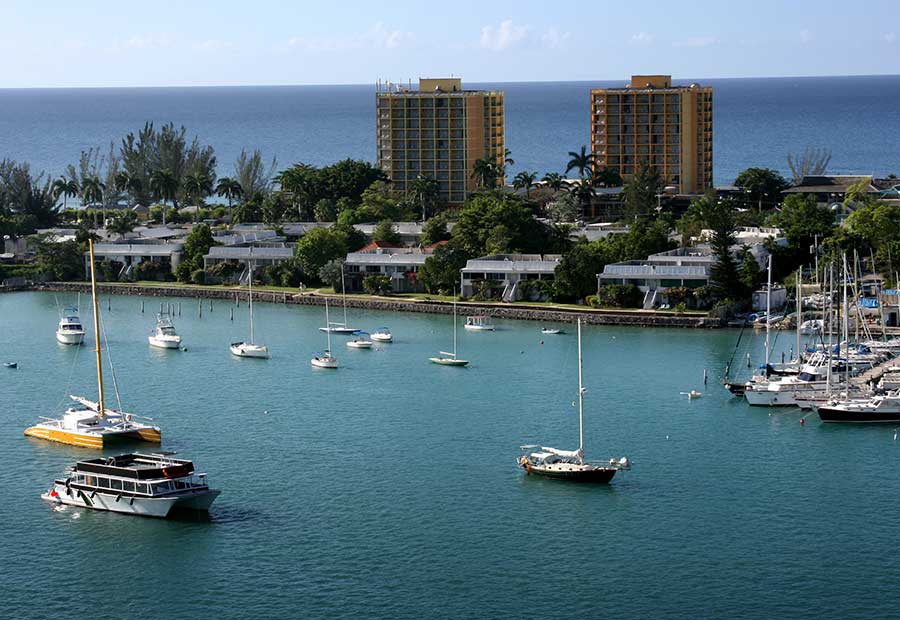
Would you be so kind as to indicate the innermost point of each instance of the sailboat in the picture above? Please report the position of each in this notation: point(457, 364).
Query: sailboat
point(250, 349)
point(93, 425)
point(325, 359)
point(570, 464)
point(340, 328)
point(450, 359)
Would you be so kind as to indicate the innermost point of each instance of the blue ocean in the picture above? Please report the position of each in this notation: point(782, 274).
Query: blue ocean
point(757, 122)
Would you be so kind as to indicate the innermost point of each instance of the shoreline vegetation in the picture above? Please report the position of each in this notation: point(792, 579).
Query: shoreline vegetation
point(524, 311)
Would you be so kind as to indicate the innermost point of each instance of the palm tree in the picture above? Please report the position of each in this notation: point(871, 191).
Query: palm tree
point(581, 161)
point(525, 180)
point(485, 172)
point(164, 186)
point(424, 193)
point(229, 188)
point(122, 224)
point(92, 193)
point(554, 181)
point(607, 177)
point(64, 187)
point(197, 187)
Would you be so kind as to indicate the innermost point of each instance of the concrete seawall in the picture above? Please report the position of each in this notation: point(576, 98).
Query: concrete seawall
point(523, 313)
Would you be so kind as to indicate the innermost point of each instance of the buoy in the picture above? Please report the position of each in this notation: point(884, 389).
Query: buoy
point(802, 421)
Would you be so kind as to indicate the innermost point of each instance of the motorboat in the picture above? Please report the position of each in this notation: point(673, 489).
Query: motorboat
point(164, 336)
point(570, 464)
point(12, 365)
point(250, 348)
point(479, 323)
point(325, 359)
point(93, 425)
point(551, 331)
point(382, 334)
point(883, 408)
point(360, 340)
point(148, 485)
point(70, 329)
point(445, 358)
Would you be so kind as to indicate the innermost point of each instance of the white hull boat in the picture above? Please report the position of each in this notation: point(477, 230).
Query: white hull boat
point(248, 349)
point(479, 324)
point(70, 329)
point(450, 359)
point(164, 336)
point(325, 359)
point(382, 334)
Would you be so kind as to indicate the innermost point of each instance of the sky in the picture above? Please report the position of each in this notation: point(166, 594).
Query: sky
point(200, 43)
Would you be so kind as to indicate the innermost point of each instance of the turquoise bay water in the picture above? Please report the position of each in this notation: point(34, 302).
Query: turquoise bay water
point(389, 489)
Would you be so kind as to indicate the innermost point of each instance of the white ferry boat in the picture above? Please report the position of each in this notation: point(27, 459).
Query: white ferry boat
point(150, 485)
point(479, 323)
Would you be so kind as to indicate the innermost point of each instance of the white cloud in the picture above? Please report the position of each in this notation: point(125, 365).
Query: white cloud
point(147, 41)
point(554, 39)
point(641, 38)
point(502, 37)
point(694, 42)
point(890, 37)
point(378, 36)
point(806, 36)
point(210, 45)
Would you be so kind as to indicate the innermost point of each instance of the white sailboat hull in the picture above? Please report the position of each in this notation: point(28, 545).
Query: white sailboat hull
point(321, 362)
point(246, 349)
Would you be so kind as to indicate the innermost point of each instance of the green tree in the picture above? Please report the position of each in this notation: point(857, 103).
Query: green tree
point(330, 273)
point(607, 177)
point(576, 274)
point(750, 275)
point(503, 220)
point(718, 216)
point(164, 185)
point(231, 190)
point(485, 173)
point(440, 272)
point(554, 181)
point(877, 223)
point(253, 174)
point(641, 191)
point(319, 246)
point(385, 232)
point(565, 207)
point(196, 246)
point(377, 284)
point(60, 261)
point(582, 161)
point(801, 220)
point(66, 188)
point(525, 180)
point(424, 194)
point(762, 185)
point(197, 186)
point(434, 230)
point(122, 223)
point(325, 210)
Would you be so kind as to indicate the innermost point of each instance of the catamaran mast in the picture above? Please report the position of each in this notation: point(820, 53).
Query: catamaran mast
point(580, 399)
point(101, 408)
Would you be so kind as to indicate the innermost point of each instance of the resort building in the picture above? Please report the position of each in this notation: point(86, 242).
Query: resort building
point(242, 255)
point(124, 257)
point(651, 121)
point(438, 131)
point(505, 275)
point(399, 264)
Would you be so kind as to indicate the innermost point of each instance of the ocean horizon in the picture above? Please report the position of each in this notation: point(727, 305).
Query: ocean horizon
point(757, 121)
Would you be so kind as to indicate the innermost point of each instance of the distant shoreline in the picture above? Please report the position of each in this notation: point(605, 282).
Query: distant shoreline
point(634, 318)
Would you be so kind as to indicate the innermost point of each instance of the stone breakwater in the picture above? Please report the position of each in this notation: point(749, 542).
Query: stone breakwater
point(511, 311)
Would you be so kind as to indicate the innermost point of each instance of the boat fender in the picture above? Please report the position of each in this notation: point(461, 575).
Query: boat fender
point(118, 497)
point(131, 503)
point(93, 494)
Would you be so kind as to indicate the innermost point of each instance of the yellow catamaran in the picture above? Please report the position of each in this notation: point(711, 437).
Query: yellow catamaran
point(93, 425)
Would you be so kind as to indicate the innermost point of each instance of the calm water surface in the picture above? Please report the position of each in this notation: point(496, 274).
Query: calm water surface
point(388, 489)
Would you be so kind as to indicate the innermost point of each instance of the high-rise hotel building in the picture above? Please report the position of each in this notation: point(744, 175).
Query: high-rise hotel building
point(438, 131)
point(668, 127)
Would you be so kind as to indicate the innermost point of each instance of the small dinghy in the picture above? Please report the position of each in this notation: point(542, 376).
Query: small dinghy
point(551, 331)
point(11, 364)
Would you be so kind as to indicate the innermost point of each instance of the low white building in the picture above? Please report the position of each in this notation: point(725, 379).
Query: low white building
point(505, 273)
point(126, 256)
point(401, 265)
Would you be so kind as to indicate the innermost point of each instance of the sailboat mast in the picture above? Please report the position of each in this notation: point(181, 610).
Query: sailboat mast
point(328, 326)
point(580, 398)
point(343, 296)
point(768, 311)
point(829, 304)
point(799, 307)
point(101, 408)
point(250, 268)
point(845, 310)
point(454, 324)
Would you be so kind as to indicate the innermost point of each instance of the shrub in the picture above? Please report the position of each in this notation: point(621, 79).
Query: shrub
point(619, 296)
point(198, 276)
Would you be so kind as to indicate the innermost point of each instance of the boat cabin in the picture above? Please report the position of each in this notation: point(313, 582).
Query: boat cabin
point(137, 474)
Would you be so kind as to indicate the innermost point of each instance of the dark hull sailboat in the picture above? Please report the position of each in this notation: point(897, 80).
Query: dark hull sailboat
point(597, 474)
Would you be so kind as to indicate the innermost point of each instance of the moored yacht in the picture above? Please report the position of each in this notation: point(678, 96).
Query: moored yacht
point(325, 359)
point(360, 340)
point(70, 330)
point(250, 348)
point(382, 334)
point(570, 464)
point(164, 336)
point(149, 485)
point(479, 323)
point(883, 408)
